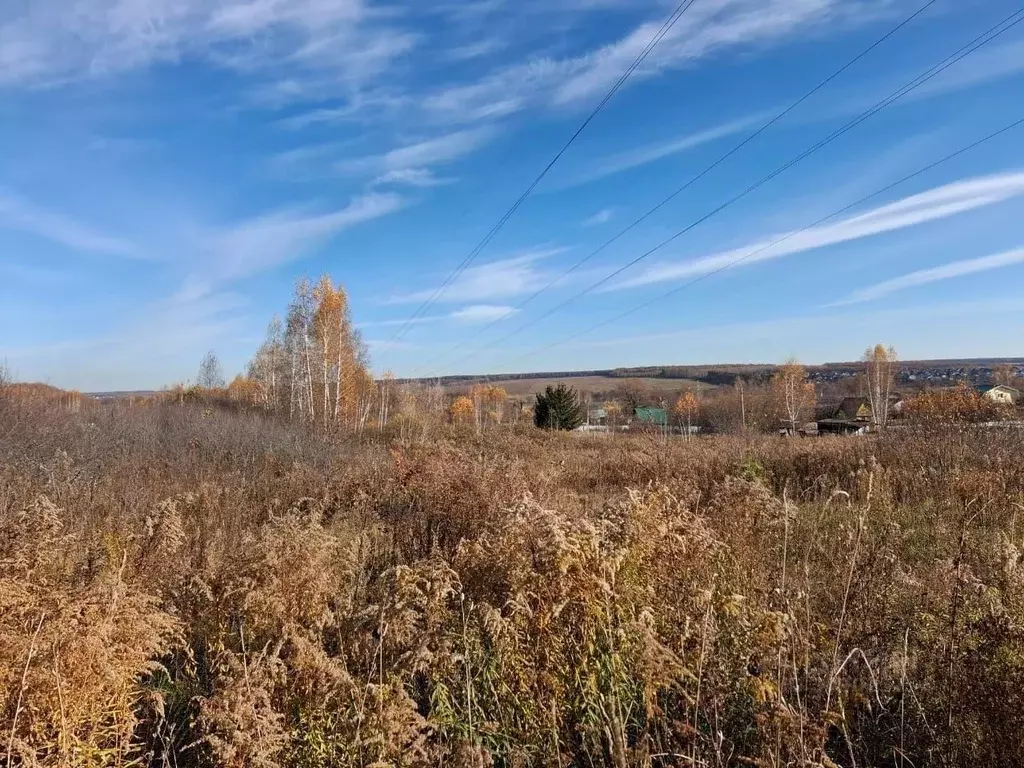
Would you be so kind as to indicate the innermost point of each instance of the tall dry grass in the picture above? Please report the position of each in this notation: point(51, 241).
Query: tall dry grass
point(188, 586)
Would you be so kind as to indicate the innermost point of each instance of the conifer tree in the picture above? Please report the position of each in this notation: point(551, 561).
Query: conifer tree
point(558, 408)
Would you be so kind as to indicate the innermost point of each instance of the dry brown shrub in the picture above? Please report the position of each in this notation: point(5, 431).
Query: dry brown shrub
point(77, 640)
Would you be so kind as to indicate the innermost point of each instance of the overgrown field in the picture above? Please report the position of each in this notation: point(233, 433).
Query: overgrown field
point(184, 585)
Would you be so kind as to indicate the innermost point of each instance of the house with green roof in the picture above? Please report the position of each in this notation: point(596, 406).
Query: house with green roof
point(656, 417)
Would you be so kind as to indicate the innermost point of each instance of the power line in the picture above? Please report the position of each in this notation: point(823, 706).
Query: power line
point(973, 145)
point(981, 40)
point(666, 27)
point(703, 173)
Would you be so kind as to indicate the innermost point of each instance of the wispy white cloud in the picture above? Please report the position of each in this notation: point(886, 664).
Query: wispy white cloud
point(268, 241)
point(250, 17)
point(706, 29)
point(476, 49)
point(983, 67)
point(920, 331)
point(362, 105)
point(385, 345)
point(415, 158)
point(987, 65)
point(601, 217)
point(19, 214)
point(441, 149)
point(413, 177)
point(935, 274)
point(475, 313)
point(399, 321)
point(480, 11)
point(482, 313)
point(73, 38)
point(635, 158)
point(321, 115)
point(933, 205)
point(500, 279)
point(309, 159)
point(407, 164)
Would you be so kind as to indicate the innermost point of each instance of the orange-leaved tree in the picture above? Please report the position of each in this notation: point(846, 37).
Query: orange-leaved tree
point(244, 390)
point(489, 403)
point(462, 410)
point(687, 408)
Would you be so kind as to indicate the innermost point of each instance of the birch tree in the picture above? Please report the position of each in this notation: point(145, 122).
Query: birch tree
point(297, 344)
point(211, 375)
point(612, 412)
point(1005, 374)
point(793, 393)
point(686, 409)
point(264, 370)
point(880, 375)
point(387, 388)
point(314, 366)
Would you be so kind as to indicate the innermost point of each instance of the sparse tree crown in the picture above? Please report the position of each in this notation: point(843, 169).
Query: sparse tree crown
point(794, 394)
point(211, 375)
point(880, 369)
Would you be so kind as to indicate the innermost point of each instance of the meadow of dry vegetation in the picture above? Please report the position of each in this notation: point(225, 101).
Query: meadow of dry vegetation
point(190, 584)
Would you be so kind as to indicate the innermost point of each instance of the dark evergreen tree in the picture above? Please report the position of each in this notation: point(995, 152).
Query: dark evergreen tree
point(558, 408)
point(541, 411)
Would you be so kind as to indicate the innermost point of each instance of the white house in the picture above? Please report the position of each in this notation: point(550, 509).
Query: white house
point(999, 393)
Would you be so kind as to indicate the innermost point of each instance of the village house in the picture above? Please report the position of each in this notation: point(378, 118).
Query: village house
point(597, 421)
point(853, 416)
point(656, 417)
point(999, 393)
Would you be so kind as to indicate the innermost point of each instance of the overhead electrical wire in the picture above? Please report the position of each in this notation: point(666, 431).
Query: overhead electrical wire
point(604, 323)
point(975, 44)
point(665, 28)
point(699, 176)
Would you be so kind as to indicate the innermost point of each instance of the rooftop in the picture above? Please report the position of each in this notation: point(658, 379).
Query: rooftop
point(657, 416)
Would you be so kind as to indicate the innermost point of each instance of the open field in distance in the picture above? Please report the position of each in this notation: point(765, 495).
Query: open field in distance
point(593, 385)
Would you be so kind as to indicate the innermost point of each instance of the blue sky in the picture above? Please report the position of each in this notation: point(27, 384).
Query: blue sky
point(171, 167)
